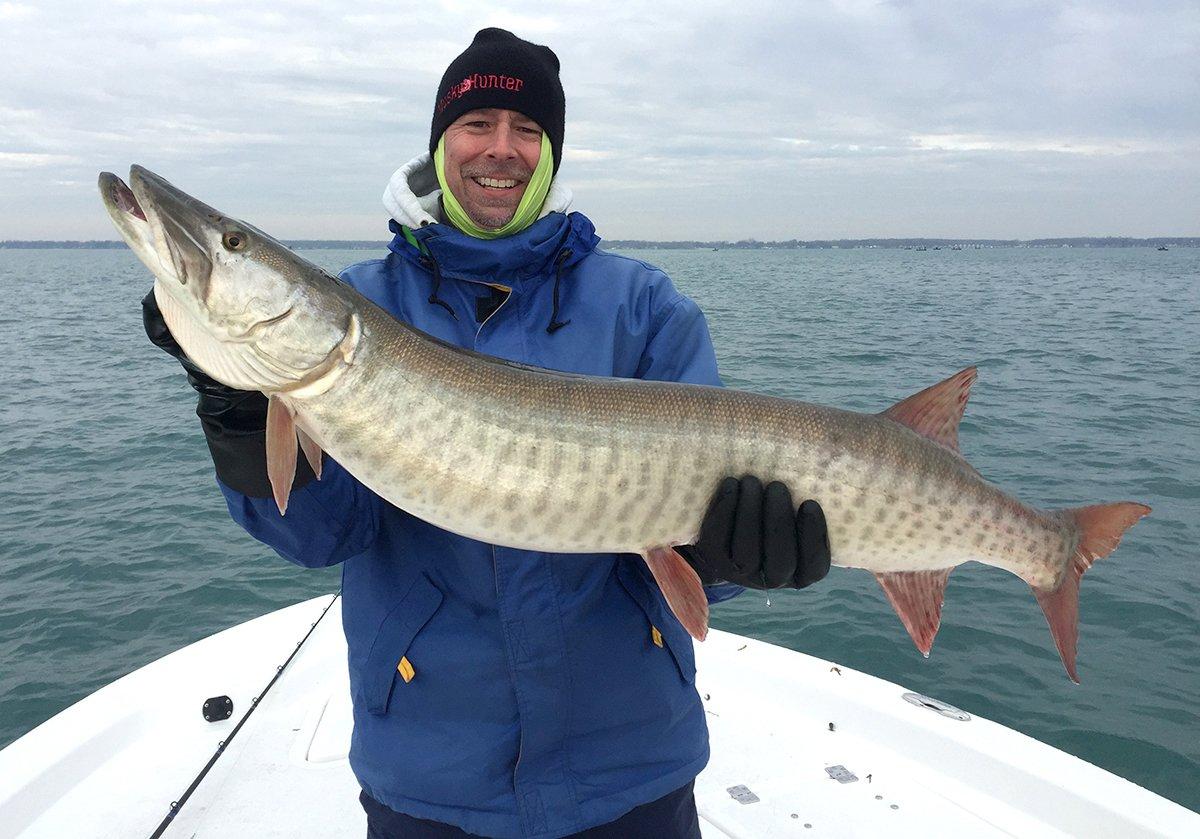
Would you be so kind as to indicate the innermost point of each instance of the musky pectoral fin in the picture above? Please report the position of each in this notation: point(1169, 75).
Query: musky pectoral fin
point(682, 589)
point(312, 452)
point(917, 597)
point(281, 451)
point(936, 411)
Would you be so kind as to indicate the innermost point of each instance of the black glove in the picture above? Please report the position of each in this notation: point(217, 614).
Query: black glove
point(754, 537)
point(234, 421)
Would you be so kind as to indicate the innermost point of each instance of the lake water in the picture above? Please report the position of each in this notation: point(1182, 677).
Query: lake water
point(115, 546)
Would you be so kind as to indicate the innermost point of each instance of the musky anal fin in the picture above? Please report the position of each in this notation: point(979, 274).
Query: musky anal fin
point(917, 597)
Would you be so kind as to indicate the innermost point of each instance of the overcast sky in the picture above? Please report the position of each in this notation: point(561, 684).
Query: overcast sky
point(685, 120)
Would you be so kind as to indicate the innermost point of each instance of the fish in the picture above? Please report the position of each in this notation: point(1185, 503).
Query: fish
point(545, 460)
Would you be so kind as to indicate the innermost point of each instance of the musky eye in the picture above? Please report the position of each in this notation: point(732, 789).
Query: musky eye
point(234, 240)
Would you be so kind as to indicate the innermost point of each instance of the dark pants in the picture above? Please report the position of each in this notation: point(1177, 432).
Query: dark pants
point(671, 817)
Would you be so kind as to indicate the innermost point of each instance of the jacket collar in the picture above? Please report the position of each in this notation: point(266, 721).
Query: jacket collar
point(413, 199)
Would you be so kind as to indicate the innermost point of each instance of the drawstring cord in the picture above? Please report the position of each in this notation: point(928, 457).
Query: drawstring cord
point(429, 262)
point(555, 323)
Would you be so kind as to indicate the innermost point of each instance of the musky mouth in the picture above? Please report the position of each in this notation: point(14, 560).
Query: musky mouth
point(130, 216)
point(157, 222)
point(124, 198)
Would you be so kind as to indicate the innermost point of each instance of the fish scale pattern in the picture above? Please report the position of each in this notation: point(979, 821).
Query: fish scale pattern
point(558, 462)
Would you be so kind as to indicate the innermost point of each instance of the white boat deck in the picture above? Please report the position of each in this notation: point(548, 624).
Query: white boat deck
point(783, 724)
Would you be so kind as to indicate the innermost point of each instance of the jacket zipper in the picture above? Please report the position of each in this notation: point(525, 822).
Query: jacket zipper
point(508, 296)
point(521, 735)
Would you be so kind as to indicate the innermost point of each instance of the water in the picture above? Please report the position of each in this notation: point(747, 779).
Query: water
point(115, 546)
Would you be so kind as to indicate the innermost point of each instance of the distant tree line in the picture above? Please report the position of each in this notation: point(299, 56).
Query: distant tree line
point(107, 244)
point(1070, 242)
point(742, 244)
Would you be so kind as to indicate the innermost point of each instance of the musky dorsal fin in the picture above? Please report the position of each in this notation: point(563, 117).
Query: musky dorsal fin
point(935, 412)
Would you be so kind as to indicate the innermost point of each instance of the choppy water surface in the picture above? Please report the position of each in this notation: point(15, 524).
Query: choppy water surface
point(115, 547)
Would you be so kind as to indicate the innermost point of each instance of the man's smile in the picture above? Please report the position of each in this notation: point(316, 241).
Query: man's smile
point(496, 183)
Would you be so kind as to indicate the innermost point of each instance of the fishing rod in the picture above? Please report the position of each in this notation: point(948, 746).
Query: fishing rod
point(177, 805)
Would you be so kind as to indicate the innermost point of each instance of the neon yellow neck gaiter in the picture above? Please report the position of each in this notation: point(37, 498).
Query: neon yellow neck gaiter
point(527, 211)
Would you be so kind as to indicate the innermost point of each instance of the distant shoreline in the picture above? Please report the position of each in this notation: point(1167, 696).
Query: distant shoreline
point(745, 244)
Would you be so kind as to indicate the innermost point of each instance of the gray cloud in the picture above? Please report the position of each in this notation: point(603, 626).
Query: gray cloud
point(685, 120)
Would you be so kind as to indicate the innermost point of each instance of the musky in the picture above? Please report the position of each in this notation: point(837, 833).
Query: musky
point(685, 120)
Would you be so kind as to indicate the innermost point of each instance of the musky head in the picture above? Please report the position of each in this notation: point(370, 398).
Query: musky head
point(245, 309)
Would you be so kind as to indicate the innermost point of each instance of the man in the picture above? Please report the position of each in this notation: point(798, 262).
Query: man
point(502, 692)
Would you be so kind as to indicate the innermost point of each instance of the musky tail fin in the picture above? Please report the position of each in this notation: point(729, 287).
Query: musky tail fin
point(1100, 530)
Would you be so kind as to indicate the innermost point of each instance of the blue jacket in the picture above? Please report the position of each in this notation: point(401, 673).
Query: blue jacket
point(509, 692)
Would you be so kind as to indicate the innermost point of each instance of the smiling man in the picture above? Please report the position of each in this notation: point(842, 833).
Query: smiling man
point(496, 691)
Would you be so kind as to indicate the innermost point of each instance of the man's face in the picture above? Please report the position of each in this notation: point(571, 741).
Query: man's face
point(490, 155)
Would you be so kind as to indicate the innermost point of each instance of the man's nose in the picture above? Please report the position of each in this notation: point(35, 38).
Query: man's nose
point(502, 143)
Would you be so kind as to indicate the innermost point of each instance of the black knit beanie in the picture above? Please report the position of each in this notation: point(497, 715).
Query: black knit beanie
point(500, 70)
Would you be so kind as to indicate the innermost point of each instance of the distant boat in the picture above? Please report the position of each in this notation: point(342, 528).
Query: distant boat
point(1162, 247)
point(922, 248)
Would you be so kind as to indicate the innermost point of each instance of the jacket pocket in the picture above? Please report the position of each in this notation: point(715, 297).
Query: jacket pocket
point(664, 630)
point(387, 660)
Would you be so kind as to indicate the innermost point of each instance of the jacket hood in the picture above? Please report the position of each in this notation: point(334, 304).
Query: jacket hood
point(413, 196)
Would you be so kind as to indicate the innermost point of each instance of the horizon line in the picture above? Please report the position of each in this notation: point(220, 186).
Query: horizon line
point(748, 242)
